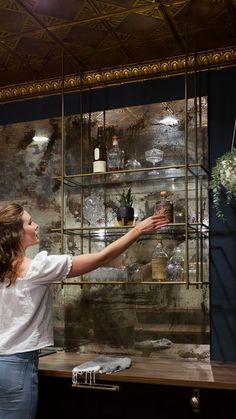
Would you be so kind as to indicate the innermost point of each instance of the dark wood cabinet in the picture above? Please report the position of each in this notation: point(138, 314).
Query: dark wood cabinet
point(58, 399)
point(150, 388)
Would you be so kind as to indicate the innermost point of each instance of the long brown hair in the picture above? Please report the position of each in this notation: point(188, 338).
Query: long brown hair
point(11, 232)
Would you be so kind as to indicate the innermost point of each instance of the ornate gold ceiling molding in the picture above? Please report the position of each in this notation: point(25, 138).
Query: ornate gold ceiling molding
point(143, 71)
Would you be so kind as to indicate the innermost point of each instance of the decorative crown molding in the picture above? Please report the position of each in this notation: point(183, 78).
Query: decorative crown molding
point(204, 61)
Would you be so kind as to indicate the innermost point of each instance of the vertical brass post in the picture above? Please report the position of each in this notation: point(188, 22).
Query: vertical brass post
point(62, 152)
point(104, 189)
point(186, 258)
point(62, 170)
point(81, 160)
point(196, 161)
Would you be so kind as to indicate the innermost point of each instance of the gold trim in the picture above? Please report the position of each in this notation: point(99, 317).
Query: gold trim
point(142, 71)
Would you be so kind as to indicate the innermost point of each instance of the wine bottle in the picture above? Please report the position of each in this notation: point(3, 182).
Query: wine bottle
point(99, 153)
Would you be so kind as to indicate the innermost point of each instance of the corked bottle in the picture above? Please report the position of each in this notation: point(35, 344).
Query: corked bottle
point(164, 206)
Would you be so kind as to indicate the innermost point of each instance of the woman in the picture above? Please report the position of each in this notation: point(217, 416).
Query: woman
point(26, 322)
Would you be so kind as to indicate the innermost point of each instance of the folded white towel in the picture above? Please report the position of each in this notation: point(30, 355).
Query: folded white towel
point(102, 364)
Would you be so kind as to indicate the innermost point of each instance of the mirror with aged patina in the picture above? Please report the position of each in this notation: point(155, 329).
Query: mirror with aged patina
point(119, 308)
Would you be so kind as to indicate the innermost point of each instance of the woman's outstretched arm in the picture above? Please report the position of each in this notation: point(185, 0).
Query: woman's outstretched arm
point(85, 263)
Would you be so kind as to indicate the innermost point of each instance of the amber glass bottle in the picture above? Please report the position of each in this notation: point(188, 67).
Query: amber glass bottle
point(164, 206)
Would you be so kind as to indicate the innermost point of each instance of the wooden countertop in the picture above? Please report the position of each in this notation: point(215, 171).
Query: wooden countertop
point(188, 373)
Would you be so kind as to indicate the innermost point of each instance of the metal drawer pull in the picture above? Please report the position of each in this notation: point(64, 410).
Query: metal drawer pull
point(107, 387)
point(195, 400)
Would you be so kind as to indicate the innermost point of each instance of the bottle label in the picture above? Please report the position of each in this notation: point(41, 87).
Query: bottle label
point(96, 153)
point(159, 268)
point(165, 209)
point(99, 166)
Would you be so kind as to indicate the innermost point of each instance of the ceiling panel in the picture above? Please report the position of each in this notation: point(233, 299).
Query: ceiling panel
point(96, 34)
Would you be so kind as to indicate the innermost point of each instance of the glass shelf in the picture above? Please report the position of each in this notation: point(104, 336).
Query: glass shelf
point(134, 175)
point(105, 232)
point(125, 282)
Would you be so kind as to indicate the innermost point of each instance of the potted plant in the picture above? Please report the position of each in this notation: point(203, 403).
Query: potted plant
point(223, 177)
point(125, 212)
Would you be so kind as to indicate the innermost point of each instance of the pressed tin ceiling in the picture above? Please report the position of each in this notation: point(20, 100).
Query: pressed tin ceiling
point(96, 35)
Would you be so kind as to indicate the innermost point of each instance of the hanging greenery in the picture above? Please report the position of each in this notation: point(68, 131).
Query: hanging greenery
point(223, 177)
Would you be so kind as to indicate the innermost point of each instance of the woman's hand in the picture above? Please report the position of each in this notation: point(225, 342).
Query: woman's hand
point(87, 262)
point(153, 223)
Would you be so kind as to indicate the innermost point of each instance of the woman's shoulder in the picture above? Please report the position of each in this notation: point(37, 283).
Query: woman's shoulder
point(40, 256)
point(30, 265)
point(48, 266)
point(43, 259)
point(24, 267)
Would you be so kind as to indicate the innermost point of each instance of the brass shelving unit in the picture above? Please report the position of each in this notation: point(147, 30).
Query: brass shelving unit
point(192, 174)
point(186, 230)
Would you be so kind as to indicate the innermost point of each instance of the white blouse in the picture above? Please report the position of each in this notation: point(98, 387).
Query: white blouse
point(26, 317)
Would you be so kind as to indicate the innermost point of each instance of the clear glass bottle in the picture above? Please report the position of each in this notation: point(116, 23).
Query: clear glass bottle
point(175, 265)
point(115, 156)
point(99, 153)
point(164, 206)
point(159, 261)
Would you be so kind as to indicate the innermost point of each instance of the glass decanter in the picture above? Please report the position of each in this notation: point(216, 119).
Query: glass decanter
point(115, 156)
point(94, 209)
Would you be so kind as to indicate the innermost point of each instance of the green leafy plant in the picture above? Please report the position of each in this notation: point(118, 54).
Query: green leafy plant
point(223, 176)
point(126, 198)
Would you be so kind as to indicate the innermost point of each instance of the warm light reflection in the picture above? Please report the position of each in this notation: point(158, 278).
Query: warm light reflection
point(40, 139)
point(169, 120)
point(101, 234)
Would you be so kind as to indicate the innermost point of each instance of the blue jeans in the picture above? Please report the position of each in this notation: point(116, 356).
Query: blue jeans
point(19, 385)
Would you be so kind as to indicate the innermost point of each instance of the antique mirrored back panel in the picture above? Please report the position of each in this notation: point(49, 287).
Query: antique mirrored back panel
point(143, 302)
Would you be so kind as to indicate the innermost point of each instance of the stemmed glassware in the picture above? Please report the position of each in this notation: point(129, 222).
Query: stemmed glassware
point(154, 156)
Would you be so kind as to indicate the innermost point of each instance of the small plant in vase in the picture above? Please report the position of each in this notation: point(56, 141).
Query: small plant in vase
point(125, 212)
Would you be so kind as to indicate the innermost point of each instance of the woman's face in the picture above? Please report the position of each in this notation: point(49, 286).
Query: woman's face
point(31, 230)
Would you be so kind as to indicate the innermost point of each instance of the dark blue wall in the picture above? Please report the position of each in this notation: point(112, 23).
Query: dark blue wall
point(149, 91)
point(222, 113)
point(221, 90)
